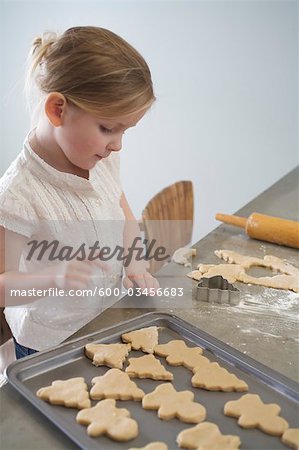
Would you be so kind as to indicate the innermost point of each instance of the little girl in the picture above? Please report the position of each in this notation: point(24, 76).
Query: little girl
point(64, 186)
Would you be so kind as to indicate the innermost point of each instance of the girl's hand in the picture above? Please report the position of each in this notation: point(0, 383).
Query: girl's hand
point(72, 274)
point(141, 278)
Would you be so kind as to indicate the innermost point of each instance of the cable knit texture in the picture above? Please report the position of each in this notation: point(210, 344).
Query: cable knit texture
point(40, 202)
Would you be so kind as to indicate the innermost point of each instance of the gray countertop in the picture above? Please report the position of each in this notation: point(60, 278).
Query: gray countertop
point(264, 325)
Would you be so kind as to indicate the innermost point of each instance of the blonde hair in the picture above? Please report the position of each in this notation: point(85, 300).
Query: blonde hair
point(95, 69)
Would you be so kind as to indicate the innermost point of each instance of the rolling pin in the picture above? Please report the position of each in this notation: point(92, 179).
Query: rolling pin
point(266, 228)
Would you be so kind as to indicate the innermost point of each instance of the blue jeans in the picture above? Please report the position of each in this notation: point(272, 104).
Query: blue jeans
point(22, 351)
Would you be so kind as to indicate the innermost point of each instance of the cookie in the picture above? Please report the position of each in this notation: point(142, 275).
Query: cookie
point(288, 278)
point(178, 354)
point(115, 384)
point(253, 413)
point(111, 355)
point(143, 339)
point(231, 273)
point(171, 403)
point(207, 436)
point(182, 256)
point(212, 377)
point(147, 367)
point(152, 446)
point(71, 393)
point(105, 418)
point(291, 438)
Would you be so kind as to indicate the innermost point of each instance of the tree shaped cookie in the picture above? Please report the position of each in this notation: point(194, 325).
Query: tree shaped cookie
point(115, 384)
point(207, 436)
point(71, 393)
point(178, 354)
point(171, 403)
point(152, 446)
point(212, 377)
point(147, 367)
point(105, 418)
point(253, 413)
point(111, 355)
point(143, 339)
point(291, 438)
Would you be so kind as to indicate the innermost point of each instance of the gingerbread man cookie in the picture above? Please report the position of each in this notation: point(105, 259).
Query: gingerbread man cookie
point(291, 438)
point(253, 413)
point(147, 367)
point(178, 354)
point(207, 436)
point(115, 384)
point(152, 446)
point(171, 403)
point(71, 393)
point(105, 418)
point(111, 355)
point(143, 339)
point(212, 377)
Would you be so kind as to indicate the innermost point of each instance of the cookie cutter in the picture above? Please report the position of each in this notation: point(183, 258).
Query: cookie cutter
point(217, 290)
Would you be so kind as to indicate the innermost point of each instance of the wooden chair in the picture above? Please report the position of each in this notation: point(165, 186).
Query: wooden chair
point(168, 218)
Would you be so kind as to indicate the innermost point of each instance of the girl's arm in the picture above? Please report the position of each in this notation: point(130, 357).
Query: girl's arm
point(136, 271)
point(11, 247)
point(64, 275)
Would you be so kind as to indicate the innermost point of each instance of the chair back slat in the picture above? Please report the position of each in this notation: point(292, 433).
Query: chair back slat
point(168, 218)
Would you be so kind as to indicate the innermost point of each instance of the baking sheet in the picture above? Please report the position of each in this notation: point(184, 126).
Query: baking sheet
point(68, 360)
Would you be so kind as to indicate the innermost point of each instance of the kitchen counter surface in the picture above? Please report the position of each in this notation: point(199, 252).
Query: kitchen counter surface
point(264, 325)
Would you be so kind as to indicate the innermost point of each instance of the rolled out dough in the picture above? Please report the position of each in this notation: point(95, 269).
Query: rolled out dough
point(287, 277)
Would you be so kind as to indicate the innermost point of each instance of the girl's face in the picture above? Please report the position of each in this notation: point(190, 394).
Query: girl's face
point(86, 139)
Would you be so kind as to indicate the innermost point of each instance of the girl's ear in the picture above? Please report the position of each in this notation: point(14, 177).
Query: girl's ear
point(55, 106)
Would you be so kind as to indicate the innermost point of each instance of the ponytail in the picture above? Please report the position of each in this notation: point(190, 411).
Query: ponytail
point(39, 49)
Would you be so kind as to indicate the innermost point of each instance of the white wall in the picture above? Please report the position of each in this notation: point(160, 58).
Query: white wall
point(226, 79)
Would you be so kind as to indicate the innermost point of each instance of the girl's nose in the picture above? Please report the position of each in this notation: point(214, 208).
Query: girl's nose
point(115, 145)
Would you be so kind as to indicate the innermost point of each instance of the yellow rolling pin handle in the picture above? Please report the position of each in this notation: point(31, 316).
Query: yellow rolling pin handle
point(266, 228)
point(240, 222)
